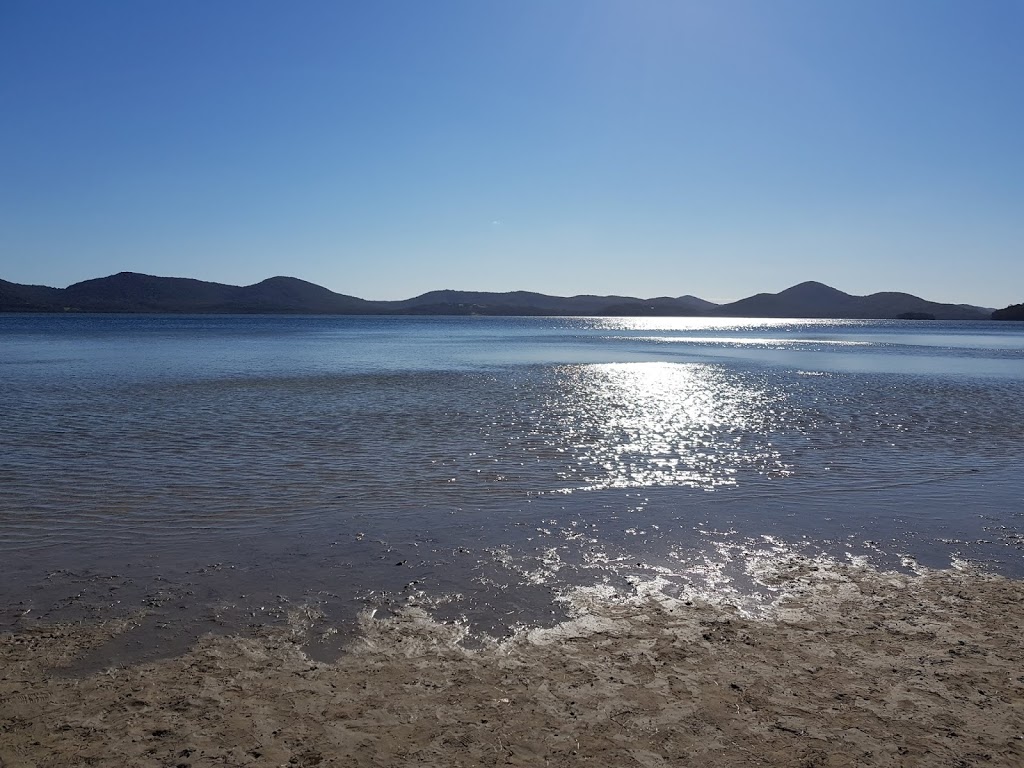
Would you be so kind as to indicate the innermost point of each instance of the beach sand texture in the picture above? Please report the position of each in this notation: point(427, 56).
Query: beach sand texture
point(854, 668)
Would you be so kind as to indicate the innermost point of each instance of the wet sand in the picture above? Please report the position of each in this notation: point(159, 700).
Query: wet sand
point(852, 668)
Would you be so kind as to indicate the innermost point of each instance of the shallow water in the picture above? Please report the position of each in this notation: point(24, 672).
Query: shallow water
point(215, 470)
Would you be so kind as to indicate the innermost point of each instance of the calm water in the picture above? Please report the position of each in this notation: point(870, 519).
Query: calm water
point(216, 470)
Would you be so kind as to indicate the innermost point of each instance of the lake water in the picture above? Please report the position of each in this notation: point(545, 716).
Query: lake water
point(214, 471)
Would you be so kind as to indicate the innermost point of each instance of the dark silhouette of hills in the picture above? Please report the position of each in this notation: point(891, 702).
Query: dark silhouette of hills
point(28, 298)
point(134, 292)
point(529, 303)
point(811, 299)
point(1012, 312)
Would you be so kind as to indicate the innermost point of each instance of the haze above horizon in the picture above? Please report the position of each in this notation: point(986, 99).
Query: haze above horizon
point(643, 149)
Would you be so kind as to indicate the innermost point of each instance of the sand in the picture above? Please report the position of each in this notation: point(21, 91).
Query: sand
point(853, 668)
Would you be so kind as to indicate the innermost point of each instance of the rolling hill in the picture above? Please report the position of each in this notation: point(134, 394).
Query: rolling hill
point(135, 292)
point(816, 300)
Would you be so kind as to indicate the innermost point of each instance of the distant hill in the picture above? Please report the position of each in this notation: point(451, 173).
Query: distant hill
point(816, 300)
point(528, 303)
point(134, 292)
point(28, 298)
point(1012, 312)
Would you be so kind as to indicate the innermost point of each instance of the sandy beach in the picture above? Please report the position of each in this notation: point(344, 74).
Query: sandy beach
point(852, 668)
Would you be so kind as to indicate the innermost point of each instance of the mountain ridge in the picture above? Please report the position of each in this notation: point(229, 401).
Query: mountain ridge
point(134, 292)
point(816, 300)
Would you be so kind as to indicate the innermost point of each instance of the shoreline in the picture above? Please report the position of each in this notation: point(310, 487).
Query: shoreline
point(853, 667)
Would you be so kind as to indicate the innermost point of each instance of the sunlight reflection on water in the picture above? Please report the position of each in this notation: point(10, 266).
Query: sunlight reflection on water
point(709, 323)
point(656, 424)
point(483, 465)
point(745, 342)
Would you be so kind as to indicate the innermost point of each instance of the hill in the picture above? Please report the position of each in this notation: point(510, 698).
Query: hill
point(529, 303)
point(135, 292)
point(1012, 312)
point(28, 298)
point(816, 300)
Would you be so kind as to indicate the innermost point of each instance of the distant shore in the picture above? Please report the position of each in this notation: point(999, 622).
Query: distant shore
point(855, 668)
point(132, 292)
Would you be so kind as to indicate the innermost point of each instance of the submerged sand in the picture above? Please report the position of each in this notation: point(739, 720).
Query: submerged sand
point(853, 668)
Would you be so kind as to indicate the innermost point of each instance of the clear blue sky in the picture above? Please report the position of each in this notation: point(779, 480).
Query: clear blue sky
point(383, 149)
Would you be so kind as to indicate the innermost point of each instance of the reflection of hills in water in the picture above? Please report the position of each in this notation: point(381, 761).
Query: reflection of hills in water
point(132, 292)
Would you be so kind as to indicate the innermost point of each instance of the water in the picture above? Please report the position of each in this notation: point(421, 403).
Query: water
point(214, 470)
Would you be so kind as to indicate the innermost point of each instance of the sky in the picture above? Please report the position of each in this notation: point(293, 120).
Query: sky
point(645, 148)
